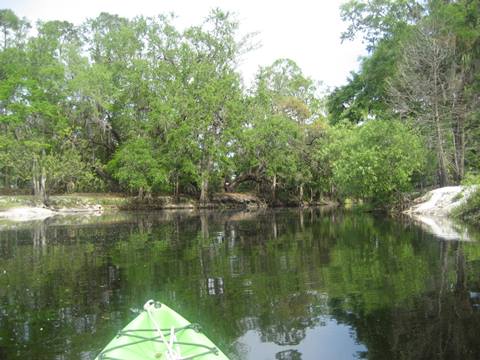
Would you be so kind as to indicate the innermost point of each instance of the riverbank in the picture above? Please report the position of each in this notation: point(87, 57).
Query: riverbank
point(437, 210)
point(469, 211)
point(27, 208)
point(441, 202)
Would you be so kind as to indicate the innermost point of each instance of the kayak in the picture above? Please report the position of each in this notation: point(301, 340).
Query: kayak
point(158, 332)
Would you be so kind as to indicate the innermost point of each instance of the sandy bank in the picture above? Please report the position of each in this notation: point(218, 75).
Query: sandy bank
point(441, 201)
point(42, 213)
point(27, 208)
point(432, 211)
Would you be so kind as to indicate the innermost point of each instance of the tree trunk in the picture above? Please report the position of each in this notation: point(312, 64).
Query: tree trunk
point(39, 181)
point(458, 113)
point(274, 186)
point(442, 163)
point(300, 192)
point(204, 189)
point(43, 186)
point(205, 173)
point(6, 179)
point(35, 181)
point(176, 188)
point(459, 144)
point(251, 175)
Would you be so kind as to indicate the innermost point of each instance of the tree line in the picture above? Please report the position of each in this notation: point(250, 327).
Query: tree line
point(423, 68)
point(140, 106)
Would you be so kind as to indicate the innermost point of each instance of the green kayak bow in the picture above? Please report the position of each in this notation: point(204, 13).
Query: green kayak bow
point(158, 332)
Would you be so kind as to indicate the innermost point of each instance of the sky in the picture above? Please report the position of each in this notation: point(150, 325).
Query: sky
point(306, 31)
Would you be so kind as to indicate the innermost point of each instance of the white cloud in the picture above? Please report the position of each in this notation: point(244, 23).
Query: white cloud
point(306, 31)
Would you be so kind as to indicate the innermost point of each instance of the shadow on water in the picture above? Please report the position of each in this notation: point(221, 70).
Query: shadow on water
point(283, 284)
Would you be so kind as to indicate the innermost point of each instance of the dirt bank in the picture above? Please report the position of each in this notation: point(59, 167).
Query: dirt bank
point(26, 208)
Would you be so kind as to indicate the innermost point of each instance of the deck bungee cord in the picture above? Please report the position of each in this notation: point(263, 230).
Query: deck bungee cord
point(144, 338)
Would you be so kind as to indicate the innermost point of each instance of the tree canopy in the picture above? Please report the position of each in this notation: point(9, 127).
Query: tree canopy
point(140, 106)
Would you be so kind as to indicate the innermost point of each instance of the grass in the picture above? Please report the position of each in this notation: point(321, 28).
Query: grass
point(470, 210)
point(82, 200)
point(9, 202)
point(111, 201)
point(459, 196)
point(64, 201)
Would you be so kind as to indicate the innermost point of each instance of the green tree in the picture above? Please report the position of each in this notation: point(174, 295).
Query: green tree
point(272, 150)
point(420, 68)
point(138, 167)
point(13, 29)
point(377, 162)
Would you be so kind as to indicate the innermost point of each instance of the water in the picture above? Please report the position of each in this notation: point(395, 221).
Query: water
point(289, 284)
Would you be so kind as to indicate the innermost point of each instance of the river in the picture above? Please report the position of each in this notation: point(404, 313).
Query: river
point(274, 284)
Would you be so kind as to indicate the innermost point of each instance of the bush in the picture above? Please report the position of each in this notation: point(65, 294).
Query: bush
point(470, 210)
point(138, 168)
point(377, 161)
point(67, 172)
point(471, 178)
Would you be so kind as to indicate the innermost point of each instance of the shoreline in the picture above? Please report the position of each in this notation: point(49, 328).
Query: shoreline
point(19, 208)
point(433, 211)
point(21, 214)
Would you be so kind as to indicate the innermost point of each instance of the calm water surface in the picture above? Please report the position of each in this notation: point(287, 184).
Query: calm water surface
point(297, 284)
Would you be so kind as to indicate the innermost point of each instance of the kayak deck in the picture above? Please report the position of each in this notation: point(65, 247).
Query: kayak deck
point(158, 332)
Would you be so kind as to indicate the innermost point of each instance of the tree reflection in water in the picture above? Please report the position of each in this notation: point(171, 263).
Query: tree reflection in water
point(66, 286)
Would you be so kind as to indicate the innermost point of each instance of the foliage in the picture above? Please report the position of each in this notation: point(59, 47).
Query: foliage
point(139, 104)
point(326, 150)
point(470, 209)
point(67, 172)
point(421, 67)
point(365, 96)
point(273, 149)
point(136, 167)
point(377, 161)
point(379, 19)
point(471, 178)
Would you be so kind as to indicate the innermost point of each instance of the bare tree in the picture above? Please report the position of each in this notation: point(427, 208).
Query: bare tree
point(428, 88)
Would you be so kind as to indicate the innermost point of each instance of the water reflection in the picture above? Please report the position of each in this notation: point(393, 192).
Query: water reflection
point(299, 284)
point(445, 228)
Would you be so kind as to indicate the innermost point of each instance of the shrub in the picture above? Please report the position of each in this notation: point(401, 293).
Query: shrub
point(377, 161)
point(470, 210)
